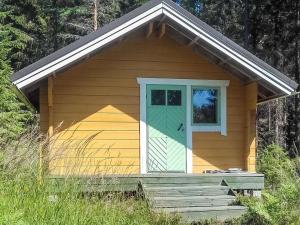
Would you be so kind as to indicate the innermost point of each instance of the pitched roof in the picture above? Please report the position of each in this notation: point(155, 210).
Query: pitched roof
point(241, 58)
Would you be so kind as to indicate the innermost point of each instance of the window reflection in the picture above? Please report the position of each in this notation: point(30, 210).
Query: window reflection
point(174, 97)
point(158, 97)
point(205, 107)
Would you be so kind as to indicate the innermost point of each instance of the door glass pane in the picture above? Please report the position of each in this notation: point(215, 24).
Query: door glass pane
point(205, 105)
point(174, 97)
point(158, 97)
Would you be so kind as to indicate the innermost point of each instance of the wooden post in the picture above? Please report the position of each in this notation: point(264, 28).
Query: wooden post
point(42, 150)
point(250, 134)
point(162, 30)
point(150, 29)
point(50, 106)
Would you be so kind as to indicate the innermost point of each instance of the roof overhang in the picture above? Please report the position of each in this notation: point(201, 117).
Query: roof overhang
point(203, 34)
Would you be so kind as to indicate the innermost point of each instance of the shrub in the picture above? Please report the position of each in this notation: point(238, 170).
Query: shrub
point(280, 203)
point(277, 167)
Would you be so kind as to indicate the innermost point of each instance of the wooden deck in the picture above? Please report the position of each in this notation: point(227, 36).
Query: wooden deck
point(193, 196)
point(236, 181)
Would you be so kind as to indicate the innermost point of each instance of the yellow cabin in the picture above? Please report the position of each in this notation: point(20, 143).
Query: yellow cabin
point(156, 91)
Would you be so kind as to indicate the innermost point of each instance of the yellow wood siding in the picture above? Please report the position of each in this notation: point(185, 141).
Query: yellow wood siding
point(101, 96)
point(214, 151)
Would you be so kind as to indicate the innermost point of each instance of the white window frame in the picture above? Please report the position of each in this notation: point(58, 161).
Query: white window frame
point(222, 127)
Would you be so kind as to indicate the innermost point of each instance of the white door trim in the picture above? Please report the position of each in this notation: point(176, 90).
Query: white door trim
point(143, 129)
point(189, 128)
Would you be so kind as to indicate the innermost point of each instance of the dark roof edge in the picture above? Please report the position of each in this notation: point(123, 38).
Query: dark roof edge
point(127, 17)
point(83, 40)
point(223, 39)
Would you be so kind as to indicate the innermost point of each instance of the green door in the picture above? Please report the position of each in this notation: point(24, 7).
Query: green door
point(166, 124)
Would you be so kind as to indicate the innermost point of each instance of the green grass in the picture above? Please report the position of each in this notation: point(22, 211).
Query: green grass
point(23, 201)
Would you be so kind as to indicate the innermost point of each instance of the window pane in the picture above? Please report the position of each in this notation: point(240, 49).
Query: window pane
point(158, 97)
point(205, 107)
point(174, 97)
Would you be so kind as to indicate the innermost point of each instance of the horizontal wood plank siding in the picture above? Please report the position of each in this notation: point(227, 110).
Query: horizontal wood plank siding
point(212, 151)
point(99, 97)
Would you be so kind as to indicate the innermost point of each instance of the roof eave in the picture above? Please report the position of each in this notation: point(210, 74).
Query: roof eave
point(139, 17)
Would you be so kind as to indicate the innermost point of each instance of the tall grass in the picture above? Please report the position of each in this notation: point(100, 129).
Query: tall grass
point(25, 200)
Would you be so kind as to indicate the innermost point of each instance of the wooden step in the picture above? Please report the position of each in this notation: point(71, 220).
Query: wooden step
point(194, 214)
point(183, 184)
point(183, 187)
point(186, 191)
point(191, 201)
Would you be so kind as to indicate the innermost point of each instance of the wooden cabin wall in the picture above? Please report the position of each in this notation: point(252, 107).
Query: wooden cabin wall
point(100, 96)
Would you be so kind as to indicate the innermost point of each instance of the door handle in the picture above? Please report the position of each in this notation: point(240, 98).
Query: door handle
point(180, 126)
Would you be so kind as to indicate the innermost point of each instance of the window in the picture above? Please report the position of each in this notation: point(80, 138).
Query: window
point(205, 101)
point(158, 97)
point(174, 97)
point(205, 106)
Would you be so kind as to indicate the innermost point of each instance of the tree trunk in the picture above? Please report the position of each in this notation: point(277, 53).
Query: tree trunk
point(246, 25)
point(297, 103)
point(297, 78)
point(56, 26)
point(95, 15)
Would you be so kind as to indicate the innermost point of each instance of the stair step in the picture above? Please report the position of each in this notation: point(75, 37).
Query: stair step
point(187, 191)
point(181, 184)
point(191, 201)
point(195, 197)
point(184, 187)
point(200, 209)
point(193, 214)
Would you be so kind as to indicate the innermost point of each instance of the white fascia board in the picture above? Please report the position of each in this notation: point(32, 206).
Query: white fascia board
point(234, 55)
point(89, 47)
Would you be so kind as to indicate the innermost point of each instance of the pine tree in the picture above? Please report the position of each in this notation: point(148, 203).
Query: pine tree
point(193, 6)
point(68, 20)
point(129, 5)
point(277, 42)
point(21, 34)
point(24, 23)
point(14, 116)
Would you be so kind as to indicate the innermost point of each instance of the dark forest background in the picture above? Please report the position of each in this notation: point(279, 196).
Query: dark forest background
point(32, 29)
